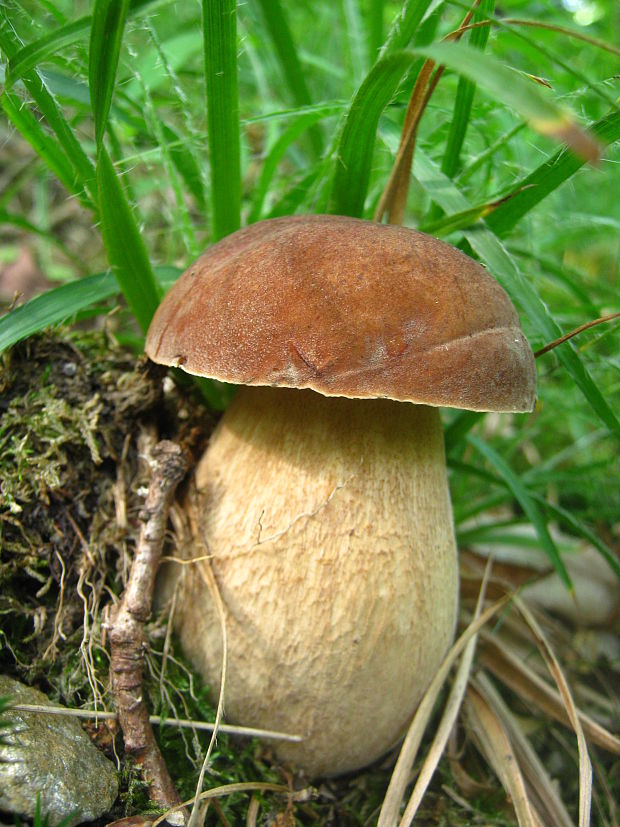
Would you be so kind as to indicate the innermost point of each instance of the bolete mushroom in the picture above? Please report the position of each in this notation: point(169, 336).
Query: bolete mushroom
point(324, 501)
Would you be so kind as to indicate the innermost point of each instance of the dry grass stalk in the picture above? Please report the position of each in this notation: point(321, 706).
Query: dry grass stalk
point(230, 789)
point(489, 733)
point(541, 790)
point(393, 199)
point(206, 572)
point(394, 194)
point(499, 659)
point(401, 775)
point(252, 814)
point(247, 732)
point(448, 719)
point(585, 767)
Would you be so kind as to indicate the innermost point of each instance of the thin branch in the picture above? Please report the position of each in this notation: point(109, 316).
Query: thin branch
point(127, 636)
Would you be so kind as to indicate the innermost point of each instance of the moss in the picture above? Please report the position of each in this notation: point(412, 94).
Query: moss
point(74, 407)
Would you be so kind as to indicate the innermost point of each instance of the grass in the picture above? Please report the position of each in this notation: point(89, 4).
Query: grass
point(159, 127)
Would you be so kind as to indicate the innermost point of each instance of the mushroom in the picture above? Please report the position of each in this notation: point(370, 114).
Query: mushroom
point(324, 501)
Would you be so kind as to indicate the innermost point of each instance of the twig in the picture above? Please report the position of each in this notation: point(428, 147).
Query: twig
point(127, 637)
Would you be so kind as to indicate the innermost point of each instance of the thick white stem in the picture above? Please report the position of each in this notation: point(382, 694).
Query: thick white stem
point(330, 526)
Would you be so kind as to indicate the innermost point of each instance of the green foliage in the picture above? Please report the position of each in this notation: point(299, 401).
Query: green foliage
point(353, 160)
point(143, 72)
point(219, 21)
point(166, 125)
point(301, 116)
point(106, 35)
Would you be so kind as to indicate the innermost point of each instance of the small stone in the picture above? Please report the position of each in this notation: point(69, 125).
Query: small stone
point(69, 368)
point(52, 756)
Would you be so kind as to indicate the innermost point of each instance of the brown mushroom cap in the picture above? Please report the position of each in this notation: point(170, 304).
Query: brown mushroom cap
point(347, 308)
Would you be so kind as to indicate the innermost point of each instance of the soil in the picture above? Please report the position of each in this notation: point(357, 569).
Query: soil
point(76, 411)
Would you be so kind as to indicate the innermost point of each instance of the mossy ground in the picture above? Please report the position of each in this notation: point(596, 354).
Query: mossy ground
point(76, 412)
point(72, 409)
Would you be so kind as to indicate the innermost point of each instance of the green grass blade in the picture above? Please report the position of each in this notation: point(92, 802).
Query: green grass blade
point(219, 23)
point(179, 146)
point(70, 89)
point(54, 307)
point(571, 361)
point(527, 502)
point(548, 177)
point(157, 67)
point(278, 115)
point(34, 53)
point(442, 190)
point(405, 26)
point(516, 91)
point(465, 92)
point(498, 533)
point(454, 434)
point(374, 29)
point(354, 153)
point(185, 164)
point(124, 245)
point(29, 56)
point(284, 46)
point(106, 35)
point(571, 280)
point(353, 39)
point(457, 221)
point(486, 156)
point(300, 193)
point(63, 303)
point(559, 514)
point(353, 156)
point(174, 162)
point(68, 144)
point(277, 152)
point(45, 146)
point(538, 48)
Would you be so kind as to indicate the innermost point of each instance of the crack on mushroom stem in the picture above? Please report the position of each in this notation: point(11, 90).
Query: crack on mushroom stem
point(304, 514)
